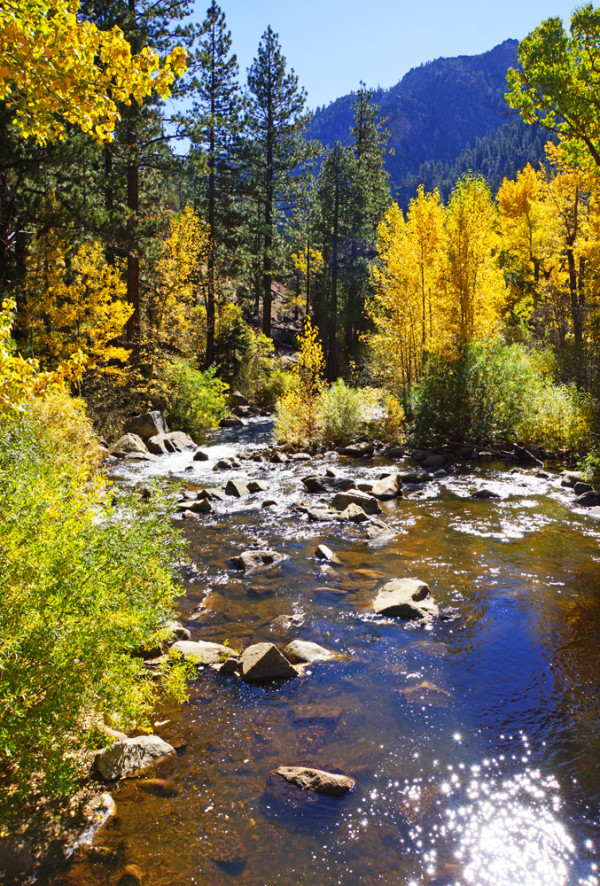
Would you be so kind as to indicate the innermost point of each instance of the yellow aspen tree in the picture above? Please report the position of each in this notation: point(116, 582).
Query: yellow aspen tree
point(395, 309)
point(57, 70)
point(528, 228)
point(425, 231)
point(475, 285)
point(177, 317)
point(298, 418)
point(74, 304)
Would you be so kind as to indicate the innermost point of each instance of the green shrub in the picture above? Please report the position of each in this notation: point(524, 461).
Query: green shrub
point(494, 393)
point(195, 400)
point(86, 579)
point(260, 376)
point(345, 412)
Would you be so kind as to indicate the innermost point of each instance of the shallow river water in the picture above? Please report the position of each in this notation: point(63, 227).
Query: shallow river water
point(490, 776)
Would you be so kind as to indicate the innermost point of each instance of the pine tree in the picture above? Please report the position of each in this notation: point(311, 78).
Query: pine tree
point(212, 127)
point(274, 124)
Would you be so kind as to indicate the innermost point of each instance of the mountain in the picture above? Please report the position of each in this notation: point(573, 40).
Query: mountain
point(441, 116)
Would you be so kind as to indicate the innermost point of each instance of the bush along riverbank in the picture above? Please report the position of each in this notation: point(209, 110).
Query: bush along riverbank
point(86, 584)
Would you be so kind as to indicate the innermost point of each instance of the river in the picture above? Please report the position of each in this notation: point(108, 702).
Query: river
point(474, 741)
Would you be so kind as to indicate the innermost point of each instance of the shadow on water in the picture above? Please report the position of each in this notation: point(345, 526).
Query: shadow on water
point(474, 742)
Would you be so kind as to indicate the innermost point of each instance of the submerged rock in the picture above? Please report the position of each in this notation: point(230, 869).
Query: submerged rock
point(425, 694)
point(264, 661)
point(407, 598)
point(318, 781)
point(256, 559)
point(127, 758)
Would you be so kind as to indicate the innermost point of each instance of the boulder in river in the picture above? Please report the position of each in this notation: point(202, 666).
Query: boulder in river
point(127, 758)
point(353, 514)
point(256, 559)
point(231, 421)
point(369, 504)
point(175, 441)
point(581, 487)
point(358, 450)
point(129, 444)
point(263, 661)
point(485, 493)
point(325, 553)
point(327, 484)
point(201, 455)
point(570, 478)
point(331, 784)
point(257, 486)
point(147, 425)
point(202, 651)
point(387, 487)
point(304, 652)
point(589, 499)
point(236, 488)
point(407, 598)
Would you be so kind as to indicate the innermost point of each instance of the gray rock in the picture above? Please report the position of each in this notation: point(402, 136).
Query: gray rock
point(353, 514)
point(327, 484)
point(415, 477)
point(325, 553)
point(201, 455)
point(594, 513)
point(525, 457)
point(147, 425)
point(570, 478)
point(358, 450)
point(217, 494)
point(256, 559)
point(269, 503)
point(201, 506)
point(238, 399)
point(369, 504)
point(127, 758)
point(318, 515)
point(175, 441)
point(264, 661)
point(408, 598)
point(485, 493)
point(581, 487)
point(303, 652)
point(128, 444)
point(279, 458)
point(365, 486)
point(588, 499)
point(230, 666)
point(202, 651)
point(331, 784)
point(231, 421)
point(178, 632)
point(379, 530)
point(434, 460)
point(237, 488)
point(387, 487)
point(301, 456)
point(420, 454)
point(258, 486)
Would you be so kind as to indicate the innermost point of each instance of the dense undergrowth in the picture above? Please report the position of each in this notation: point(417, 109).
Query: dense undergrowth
point(86, 580)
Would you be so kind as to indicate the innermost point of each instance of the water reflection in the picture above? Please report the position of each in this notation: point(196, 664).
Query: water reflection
point(415, 715)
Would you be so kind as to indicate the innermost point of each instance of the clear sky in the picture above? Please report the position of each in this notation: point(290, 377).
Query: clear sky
point(332, 45)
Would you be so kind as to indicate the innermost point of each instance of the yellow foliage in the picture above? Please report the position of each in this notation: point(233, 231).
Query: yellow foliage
point(73, 306)
point(475, 288)
point(177, 315)
point(308, 260)
point(57, 70)
point(20, 379)
point(298, 411)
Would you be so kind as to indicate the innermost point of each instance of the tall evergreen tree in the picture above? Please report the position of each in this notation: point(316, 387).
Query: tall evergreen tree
point(274, 124)
point(371, 199)
point(212, 127)
point(336, 198)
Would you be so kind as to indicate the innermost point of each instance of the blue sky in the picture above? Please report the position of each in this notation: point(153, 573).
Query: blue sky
point(334, 45)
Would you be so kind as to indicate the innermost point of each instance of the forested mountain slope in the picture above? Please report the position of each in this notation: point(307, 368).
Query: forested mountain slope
point(437, 115)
